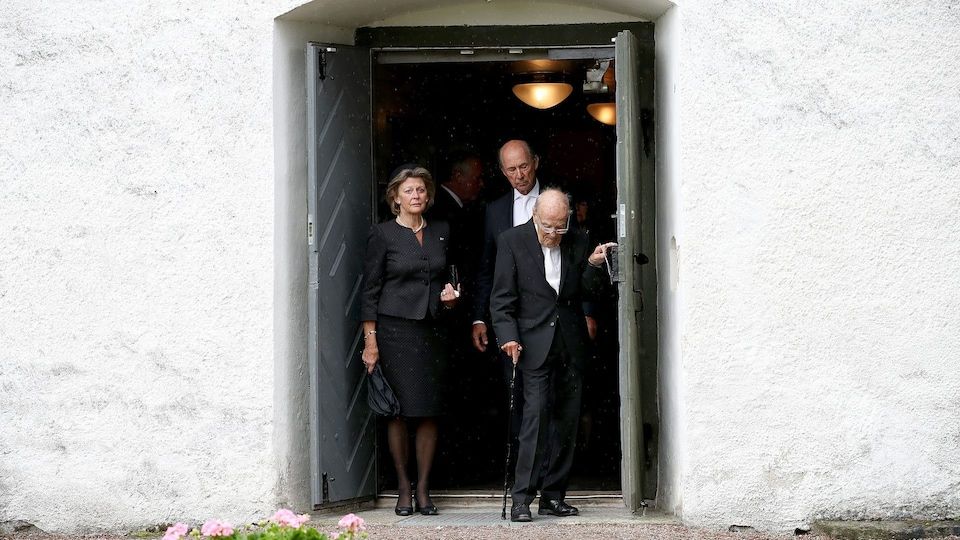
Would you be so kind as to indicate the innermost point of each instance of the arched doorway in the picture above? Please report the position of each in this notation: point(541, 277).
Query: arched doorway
point(636, 449)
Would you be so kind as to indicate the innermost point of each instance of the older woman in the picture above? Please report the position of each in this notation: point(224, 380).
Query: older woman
point(403, 295)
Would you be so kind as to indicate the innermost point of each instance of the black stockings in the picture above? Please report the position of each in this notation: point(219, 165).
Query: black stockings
point(425, 445)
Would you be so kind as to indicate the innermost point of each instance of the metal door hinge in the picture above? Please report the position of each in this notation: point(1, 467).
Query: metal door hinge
point(309, 229)
point(326, 489)
point(622, 221)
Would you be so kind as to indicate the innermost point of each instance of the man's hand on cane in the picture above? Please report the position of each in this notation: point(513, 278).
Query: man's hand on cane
point(512, 348)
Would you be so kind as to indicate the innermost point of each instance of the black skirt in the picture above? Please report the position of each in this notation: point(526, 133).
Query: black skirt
point(413, 359)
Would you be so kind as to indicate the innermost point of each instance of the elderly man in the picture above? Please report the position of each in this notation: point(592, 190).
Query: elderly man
point(543, 272)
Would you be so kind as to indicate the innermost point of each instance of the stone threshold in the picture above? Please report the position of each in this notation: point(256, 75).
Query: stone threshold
point(483, 509)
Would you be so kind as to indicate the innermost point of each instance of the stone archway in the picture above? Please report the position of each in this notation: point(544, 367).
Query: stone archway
point(335, 21)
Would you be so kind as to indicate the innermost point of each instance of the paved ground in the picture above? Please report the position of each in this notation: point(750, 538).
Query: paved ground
point(481, 520)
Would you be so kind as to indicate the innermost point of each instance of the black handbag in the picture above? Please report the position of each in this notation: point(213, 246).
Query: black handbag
point(380, 396)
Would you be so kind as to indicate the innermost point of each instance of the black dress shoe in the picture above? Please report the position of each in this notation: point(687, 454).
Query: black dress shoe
point(520, 512)
point(403, 510)
point(556, 507)
point(429, 510)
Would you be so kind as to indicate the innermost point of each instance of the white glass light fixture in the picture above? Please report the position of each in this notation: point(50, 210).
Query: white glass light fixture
point(542, 95)
point(604, 112)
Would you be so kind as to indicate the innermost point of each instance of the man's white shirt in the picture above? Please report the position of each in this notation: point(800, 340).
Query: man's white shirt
point(523, 205)
point(551, 266)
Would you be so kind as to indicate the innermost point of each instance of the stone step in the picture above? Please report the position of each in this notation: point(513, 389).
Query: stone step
point(487, 512)
point(468, 499)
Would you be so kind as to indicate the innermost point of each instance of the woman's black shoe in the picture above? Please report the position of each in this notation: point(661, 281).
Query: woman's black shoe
point(403, 510)
point(430, 510)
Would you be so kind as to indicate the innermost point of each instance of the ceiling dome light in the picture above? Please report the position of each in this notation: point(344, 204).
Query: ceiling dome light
point(542, 95)
point(604, 112)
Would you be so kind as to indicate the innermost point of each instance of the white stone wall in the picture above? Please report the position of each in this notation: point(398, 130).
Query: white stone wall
point(152, 326)
point(820, 162)
point(669, 234)
point(136, 266)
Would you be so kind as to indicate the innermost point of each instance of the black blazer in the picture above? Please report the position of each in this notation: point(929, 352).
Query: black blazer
point(444, 207)
point(526, 309)
point(498, 218)
point(466, 236)
point(401, 278)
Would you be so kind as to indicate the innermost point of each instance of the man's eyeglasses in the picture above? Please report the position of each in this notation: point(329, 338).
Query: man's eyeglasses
point(554, 230)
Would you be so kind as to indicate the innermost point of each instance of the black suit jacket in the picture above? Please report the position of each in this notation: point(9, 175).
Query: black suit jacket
point(497, 218)
point(444, 207)
point(466, 236)
point(526, 309)
point(401, 278)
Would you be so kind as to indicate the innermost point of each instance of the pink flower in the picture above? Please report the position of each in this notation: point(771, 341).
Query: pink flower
point(286, 518)
point(176, 531)
point(215, 527)
point(352, 523)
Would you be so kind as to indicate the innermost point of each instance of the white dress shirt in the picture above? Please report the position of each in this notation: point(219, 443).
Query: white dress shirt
point(523, 205)
point(551, 266)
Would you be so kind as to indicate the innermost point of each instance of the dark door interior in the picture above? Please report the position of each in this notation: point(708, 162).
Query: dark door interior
point(426, 112)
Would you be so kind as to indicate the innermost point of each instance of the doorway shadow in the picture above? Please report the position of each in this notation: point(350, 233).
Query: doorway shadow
point(425, 113)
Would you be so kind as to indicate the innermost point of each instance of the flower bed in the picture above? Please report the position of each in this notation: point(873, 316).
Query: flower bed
point(283, 525)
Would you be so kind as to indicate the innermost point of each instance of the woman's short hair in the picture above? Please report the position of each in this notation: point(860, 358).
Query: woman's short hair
point(393, 187)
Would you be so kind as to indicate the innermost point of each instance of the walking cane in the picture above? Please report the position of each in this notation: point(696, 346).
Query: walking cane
point(506, 466)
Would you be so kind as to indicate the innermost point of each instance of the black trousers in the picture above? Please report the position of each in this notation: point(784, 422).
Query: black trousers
point(548, 430)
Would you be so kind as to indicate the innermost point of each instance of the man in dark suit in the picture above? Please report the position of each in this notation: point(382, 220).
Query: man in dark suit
point(543, 272)
point(519, 165)
point(456, 203)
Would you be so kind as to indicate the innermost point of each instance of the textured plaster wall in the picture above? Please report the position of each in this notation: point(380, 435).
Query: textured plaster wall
point(820, 153)
point(505, 13)
point(136, 267)
point(669, 239)
point(151, 330)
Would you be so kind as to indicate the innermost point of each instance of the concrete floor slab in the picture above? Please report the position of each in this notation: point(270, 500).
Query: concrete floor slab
point(487, 514)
